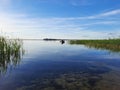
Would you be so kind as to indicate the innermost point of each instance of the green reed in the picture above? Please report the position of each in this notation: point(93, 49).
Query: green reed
point(11, 52)
point(108, 44)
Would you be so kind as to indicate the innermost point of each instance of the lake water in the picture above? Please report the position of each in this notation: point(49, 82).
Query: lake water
point(50, 65)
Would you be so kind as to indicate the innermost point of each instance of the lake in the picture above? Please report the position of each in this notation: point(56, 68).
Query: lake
point(50, 65)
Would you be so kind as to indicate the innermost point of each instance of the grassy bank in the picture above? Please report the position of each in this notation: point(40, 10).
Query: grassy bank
point(10, 52)
point(109, 44)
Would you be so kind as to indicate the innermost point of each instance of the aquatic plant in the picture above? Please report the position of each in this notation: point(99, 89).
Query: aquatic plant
point(108, 44)
point(11, 52)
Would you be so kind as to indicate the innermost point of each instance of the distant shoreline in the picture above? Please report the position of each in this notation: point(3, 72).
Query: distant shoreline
point(52, 39)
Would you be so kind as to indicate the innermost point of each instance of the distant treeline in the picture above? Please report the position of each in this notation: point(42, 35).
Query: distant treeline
point(51, 39)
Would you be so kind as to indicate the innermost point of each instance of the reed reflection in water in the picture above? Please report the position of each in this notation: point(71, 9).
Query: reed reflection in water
point(11, 52)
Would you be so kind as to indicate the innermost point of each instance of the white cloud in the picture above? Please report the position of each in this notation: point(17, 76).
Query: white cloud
point(113, 12)
point(21, 26)
point(108, 14)
point(105, 14)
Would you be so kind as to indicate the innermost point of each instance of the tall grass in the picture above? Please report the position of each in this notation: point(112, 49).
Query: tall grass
point(11, 52)
point(109, 44)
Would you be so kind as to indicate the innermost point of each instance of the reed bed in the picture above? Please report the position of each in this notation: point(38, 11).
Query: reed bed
point(108, 44)
point(11, 52)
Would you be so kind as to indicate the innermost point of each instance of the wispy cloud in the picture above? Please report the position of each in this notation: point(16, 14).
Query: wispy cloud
point(74, 27)
point(110, 13)
point(105, 14)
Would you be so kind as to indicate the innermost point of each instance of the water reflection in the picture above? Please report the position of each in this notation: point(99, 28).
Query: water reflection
point(51, 66)
point(11, 52)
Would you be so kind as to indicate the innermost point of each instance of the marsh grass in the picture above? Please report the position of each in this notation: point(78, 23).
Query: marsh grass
point(11, 52)
point(108, 44)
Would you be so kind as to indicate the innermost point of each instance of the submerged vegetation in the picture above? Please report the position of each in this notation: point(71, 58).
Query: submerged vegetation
point(91, 77)
point(107, 44)
point(11, 52)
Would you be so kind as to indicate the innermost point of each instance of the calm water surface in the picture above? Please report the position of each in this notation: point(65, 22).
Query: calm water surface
point(49, 65)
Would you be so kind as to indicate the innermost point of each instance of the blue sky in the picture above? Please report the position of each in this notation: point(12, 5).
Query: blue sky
point(80, 19)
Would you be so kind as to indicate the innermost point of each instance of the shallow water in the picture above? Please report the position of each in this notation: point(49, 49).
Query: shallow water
point(50, 65)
